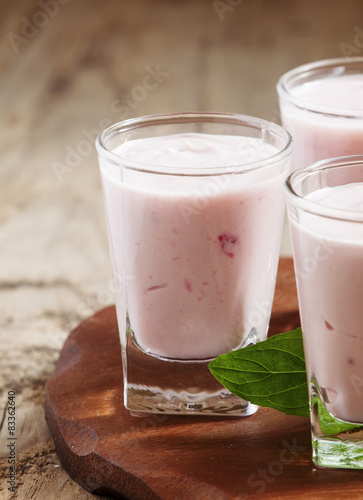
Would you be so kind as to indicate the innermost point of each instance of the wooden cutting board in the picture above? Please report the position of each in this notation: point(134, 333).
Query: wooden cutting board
point(110, 452)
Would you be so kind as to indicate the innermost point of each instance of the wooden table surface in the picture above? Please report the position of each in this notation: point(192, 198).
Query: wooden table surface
point(68, 68)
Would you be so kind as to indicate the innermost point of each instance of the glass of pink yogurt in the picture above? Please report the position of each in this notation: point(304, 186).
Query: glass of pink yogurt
point(321, 105)
point(194, 207)
point(325, 208)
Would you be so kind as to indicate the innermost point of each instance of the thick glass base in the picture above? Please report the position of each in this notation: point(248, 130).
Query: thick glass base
point(155, 385)
point(338, 451)
point(335, 443)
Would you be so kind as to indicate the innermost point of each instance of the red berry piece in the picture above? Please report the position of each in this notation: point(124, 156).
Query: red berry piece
point(227, 242)
point(188, 285)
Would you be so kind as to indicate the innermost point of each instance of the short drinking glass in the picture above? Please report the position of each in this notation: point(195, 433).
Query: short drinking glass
point(194, 206)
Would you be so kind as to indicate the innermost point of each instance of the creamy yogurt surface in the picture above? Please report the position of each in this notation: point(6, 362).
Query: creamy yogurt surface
point(345, 91)
point(196, 150)
point(347, 197)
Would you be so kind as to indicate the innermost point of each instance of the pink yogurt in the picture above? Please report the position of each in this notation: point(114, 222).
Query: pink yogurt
point(328, 122)
point(329, 266)
point(199, 253)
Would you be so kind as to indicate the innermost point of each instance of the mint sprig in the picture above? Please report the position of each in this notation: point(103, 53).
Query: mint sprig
point(272, 373)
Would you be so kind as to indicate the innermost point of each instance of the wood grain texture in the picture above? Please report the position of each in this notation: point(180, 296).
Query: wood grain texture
point(75, 70)
point(108, 451)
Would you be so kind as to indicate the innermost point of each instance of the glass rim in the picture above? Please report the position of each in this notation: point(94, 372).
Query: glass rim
point(314, 207)
point(309, 69)
point(194, 117)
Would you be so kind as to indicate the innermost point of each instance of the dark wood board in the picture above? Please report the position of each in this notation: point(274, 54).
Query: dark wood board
point(112, 453)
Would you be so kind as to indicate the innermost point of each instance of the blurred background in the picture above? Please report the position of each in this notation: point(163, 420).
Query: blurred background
point(68, 69)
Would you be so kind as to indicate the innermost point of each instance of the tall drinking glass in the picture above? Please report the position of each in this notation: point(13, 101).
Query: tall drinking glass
point(325, 208)
point(194, 205)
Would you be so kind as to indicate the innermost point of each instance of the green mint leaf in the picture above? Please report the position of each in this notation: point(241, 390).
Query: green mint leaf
point(271, 373)
point(329, 425)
